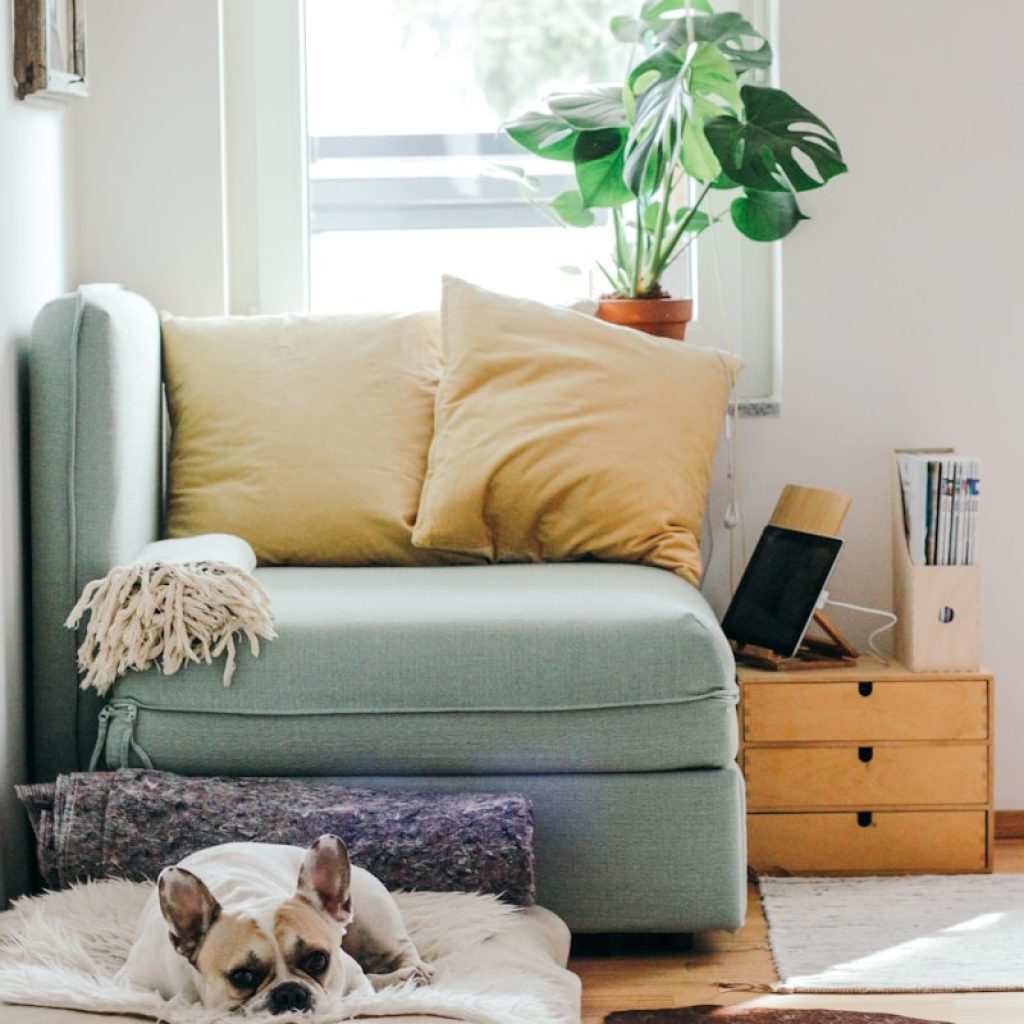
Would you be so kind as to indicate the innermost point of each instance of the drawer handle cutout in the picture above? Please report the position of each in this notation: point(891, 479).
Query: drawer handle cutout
point(865, 753)
point(865, 689)
point(864, 819)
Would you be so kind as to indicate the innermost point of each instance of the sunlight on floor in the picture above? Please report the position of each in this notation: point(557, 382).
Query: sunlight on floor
point(977, 924)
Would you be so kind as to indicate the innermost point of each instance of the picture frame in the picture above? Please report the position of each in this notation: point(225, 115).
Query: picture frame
point(49, 48)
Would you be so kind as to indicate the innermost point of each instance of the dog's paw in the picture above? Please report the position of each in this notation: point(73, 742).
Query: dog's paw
point(423, 974)
point(417, 973)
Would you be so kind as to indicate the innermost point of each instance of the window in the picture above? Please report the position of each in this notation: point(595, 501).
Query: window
point(409, 177)
point(408, 173)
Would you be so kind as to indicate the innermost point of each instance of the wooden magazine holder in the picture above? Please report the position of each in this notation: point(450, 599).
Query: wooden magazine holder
point(938, 606)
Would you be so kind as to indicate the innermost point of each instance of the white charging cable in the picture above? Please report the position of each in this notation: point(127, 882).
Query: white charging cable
point(892, 620)
point(733, 517)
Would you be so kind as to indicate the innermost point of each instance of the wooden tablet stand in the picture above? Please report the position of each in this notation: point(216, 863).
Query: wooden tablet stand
point(831, 651)
point(811, 511)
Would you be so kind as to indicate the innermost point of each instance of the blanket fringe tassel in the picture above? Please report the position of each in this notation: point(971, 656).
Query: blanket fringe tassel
point(168, 614)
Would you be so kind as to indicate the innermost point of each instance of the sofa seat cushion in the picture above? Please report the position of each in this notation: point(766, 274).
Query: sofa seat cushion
point(535, 668)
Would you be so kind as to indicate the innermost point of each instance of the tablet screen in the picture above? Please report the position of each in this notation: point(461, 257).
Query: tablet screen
point(777, 595)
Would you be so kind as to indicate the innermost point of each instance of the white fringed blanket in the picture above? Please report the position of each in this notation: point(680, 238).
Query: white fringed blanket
point(180, 601)
point(494, 964)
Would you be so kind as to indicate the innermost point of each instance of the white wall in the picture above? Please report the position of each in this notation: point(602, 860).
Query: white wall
point(149, 194)
point(175, 90)
point(901, 318)
point(33, 269)
point(899, 306)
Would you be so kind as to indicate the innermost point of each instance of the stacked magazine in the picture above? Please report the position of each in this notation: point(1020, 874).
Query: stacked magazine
point(940, 507)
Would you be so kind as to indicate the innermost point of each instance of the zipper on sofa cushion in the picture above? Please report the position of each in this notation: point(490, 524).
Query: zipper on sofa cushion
point(116, 737)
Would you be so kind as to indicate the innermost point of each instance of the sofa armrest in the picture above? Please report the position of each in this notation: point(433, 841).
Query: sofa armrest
point(95, 465)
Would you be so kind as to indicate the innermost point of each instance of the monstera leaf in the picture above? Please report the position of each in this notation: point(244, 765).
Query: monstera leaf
point(590, 109)
point(656, 17)
point(543, 133)
point(570, 209)
point(676, 92)
point(766, 216)
point(599, 157)
point(552, 133)
point(730, 32)
point(760, 152)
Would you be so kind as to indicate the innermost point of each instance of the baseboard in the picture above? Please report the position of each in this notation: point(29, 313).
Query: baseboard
point(1009, 824)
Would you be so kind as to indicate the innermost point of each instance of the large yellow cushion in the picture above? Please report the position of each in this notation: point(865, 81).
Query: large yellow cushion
point(306, 435)
point(558, 437)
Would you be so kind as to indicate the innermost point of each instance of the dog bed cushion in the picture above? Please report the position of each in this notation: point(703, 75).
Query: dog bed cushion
point(133, 823)
point(494, 964)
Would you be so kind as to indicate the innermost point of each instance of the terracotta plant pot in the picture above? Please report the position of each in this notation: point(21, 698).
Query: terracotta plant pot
point(666, 318)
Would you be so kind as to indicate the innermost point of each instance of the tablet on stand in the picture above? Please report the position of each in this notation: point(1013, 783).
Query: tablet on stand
point(777, 600)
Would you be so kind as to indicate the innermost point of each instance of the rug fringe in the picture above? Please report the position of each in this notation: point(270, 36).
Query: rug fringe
point(168, 614)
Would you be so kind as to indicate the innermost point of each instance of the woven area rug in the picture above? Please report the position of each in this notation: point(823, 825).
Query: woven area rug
point(494, 963)
point(739, 1015)
point(931, 933)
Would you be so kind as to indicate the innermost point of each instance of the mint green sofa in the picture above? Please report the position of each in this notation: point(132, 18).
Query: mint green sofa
point(606, 693)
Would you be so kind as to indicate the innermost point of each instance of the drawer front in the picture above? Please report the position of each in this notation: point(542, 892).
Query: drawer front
point(948, 709)
point(856, 844)
point(866, 776)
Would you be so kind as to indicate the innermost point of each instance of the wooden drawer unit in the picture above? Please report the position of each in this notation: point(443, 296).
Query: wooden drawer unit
point(941, 709)
point(893, 775)
point(867, 770)
point(862, 842)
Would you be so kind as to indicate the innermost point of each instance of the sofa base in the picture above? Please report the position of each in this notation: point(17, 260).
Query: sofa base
point(661, 851)
point(628, 852)
point(615, 852)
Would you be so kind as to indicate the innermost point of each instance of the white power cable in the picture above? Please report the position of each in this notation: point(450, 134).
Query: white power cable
point(733, 516)
point(869, 611)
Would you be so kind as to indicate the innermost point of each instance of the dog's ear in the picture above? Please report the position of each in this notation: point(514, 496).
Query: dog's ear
point(188, 907)
point(325, 878)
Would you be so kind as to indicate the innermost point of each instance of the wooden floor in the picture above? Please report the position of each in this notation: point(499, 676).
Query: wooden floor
point(721, 958)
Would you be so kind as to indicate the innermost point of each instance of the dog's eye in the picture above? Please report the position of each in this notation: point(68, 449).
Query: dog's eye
point(316, 963)
point(243, 978)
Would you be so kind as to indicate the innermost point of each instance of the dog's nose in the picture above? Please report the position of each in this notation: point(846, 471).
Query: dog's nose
point(289, 998)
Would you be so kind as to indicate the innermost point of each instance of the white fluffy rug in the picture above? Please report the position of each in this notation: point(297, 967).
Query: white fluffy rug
point(494, 964)
point(931, 933)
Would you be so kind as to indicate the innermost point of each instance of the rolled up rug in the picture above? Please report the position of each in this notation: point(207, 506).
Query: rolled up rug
point(133, 822)
point(179, 601)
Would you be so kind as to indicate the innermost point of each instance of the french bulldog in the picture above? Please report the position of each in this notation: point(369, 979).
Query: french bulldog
point(266, 928)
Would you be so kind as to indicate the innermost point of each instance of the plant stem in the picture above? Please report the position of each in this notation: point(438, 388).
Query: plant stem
point(682, 249)
point(639, 255)
point(621, 252)
point(659, 229)
point(616, 285)
point(664, 257)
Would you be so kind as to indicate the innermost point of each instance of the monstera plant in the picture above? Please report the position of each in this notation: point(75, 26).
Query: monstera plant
point(685, 122)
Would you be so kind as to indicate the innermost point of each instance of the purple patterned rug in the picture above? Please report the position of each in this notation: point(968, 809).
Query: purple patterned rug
point(755, 1015)
point(132, 823)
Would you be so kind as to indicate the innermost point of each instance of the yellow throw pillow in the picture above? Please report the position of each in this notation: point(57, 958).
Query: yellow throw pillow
point(306, 435)
point(558, 436)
